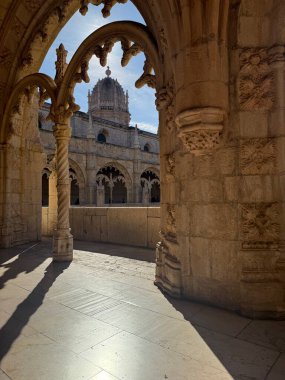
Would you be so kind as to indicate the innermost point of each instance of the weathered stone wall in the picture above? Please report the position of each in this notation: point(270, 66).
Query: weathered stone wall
point(22, 159)
point(138, 226)
point(257, 72)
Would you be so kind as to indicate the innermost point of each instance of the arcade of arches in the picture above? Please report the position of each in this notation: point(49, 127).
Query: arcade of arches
point(218, 69)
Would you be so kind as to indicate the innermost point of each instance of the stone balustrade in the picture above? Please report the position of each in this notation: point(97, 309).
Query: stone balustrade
point(138, 226)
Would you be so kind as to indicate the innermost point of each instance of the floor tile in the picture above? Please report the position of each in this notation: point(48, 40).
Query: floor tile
point(277, 372)
point(37, 357)
point(219, 320)
point(102, 318)
point(267, 333)
point(3, 376)
point(102, 376)
point(128, 357)
point(242, 359)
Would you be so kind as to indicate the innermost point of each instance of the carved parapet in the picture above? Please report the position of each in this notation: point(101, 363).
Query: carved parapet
point(200, 129)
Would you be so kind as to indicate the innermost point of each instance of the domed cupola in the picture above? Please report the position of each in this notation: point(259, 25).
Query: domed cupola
point(109, 101)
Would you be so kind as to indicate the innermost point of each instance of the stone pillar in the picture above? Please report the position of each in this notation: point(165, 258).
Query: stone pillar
point(62, 240)
point(145, 195)
point(52, 204)
point(100, 196)
point(4, 230)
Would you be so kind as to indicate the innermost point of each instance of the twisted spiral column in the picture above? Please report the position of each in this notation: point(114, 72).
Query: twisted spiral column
point(63, 240)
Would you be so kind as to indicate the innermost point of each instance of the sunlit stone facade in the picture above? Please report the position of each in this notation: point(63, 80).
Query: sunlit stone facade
point(111, 162)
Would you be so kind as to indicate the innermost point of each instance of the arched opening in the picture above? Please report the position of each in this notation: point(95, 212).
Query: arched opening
point(146, 148)
point(74, 188)
point(114, 184)
point(150, 187)
point(101, 138)
point(119, 191)
point(45, 188)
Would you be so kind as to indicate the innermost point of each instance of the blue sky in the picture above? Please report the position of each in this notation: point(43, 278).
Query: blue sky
point(142, 106)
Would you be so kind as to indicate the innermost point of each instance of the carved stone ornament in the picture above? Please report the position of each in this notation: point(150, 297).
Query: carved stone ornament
point(260, 225)
point(200, 129)
point(258, 156)
point(60, 64)
point(129, 50)
point(259, 266)
point(170, 165)
point(168, 267)
point(108, 5)
point(256, 80)
point(170, 234)
point(42, 34)
point(163, 39)
point(32, 5)
point(147, 77)
point(6, 58)
point(165, 100)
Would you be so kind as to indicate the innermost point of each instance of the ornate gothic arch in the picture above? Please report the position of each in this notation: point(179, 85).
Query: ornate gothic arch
point(153, 169)
point(80, 174)
point(122, 169)
point(134, 38)
point(26, 87)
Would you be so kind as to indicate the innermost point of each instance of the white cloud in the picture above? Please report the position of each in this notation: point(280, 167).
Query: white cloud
point(146, 127)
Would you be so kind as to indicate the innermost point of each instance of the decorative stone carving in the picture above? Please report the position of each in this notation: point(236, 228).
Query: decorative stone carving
point(200, 129)
point(170, 165)
point(18, 28)
point(163, 39)
point(102, 52)
point(147, 77)
point(260, 225)
point(6, 58)
point(106, 11)
point(258, 156)
point(168, 268)
point(165, 100)
point(60, 64)
point(32, 5)
point(129, 51)
point(170, 224)
point(259, 267)
point(56, 16)
point(255, 85)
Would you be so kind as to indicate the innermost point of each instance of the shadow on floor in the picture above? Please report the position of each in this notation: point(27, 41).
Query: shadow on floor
point(128, 252)
point(26, 261)
point(228, 336)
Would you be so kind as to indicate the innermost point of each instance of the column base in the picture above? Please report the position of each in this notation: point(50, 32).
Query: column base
point(62, 246)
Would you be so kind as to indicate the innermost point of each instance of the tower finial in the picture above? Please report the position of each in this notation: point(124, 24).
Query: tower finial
point(108, 71)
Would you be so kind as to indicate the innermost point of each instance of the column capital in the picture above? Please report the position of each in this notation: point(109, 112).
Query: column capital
point(200, 128)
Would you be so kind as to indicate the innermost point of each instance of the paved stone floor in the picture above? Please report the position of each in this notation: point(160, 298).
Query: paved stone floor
point(101, 318)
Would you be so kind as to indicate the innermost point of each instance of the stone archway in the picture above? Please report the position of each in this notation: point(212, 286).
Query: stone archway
point(134, 38)
point(80, 181)
point(221, 131)
point(150, 186)
point(113, 184)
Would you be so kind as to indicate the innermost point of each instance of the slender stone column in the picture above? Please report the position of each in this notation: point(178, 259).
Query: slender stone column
point(62, 240)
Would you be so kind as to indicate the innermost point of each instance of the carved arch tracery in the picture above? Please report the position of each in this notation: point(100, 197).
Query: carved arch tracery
point(26, 87)
point(134, 38)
